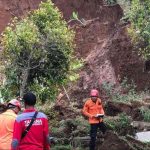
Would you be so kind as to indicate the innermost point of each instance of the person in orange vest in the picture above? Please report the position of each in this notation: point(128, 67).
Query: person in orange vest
point(7, 120)
point(93, 109)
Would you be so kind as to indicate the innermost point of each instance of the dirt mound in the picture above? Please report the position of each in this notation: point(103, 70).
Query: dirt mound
point(15, 8)
point(88, 9)
point(116, 142)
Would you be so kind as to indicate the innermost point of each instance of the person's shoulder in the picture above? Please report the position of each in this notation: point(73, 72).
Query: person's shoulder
point(27, 115)
point(20, 117)
point(88, 100)
point(9, 114)
point(42, 115)
point(99, 100)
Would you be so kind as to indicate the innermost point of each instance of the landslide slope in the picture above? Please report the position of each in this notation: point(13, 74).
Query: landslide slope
point(102, 42)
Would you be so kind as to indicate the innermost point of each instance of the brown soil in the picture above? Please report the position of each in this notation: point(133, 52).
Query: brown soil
point(15, 8)
point(114, 142)
point(107, 51)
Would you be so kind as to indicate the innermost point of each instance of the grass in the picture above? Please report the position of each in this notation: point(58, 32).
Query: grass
point(126, 92)
point(61, 147)
point(145, 113)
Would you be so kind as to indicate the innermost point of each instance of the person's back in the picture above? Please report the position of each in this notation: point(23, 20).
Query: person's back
point(37, 137)
point(7, 120)
point(34, 139)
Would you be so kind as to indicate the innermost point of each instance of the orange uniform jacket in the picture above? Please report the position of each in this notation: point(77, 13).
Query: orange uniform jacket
point(7, 120)
point(90, 109)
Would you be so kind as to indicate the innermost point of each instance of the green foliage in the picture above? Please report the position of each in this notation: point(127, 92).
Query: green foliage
point(76, 127)
point(126, 92)
point(52, 114)
point(145, 113)
point(76, 17)
point(82, 126)
point(121, 125)
point(140, 26)
point(38, 51)
point(75, 65)
point(6, 93)
point(70, 128)
point(62, 147)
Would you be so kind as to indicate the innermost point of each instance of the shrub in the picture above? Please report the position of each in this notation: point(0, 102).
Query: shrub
point(62, 147)
point(121, 125)
point(38, 52)
point(124, 93)
point(140, 26)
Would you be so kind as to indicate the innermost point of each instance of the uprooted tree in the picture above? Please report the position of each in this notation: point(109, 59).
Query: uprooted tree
point(37, 52)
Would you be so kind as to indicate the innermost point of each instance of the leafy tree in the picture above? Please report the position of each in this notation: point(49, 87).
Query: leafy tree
point(139, 16)
point(37, 51)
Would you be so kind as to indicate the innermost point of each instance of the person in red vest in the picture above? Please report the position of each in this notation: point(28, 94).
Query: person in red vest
point(37, 136)
point(93, 109)
point(7, 120)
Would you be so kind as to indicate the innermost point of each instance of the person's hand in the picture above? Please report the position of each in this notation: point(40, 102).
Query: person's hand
point(94, 116)
point(99, 115)
point(52, 140)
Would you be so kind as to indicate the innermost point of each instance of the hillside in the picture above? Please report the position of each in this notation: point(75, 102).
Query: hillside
point(102, 41)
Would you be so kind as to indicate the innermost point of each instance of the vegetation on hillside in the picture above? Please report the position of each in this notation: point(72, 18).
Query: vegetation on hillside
point(139, 16)
point(137, 12)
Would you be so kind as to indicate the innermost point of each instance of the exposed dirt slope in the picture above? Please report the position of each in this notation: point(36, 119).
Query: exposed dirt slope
point(12, 8)
point(107, 50)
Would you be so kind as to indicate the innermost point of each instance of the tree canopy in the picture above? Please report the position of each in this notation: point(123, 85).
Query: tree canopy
point(37, 51)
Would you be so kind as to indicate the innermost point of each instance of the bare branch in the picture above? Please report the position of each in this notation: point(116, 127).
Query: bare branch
point(66, 93)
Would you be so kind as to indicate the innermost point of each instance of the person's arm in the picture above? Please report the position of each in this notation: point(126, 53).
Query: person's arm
point(16, 135)
point(85, 110)
point(46, 135)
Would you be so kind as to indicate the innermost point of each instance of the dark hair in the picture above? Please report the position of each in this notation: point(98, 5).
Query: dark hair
point(10, 106)
point(29, 99)
point(3, 108)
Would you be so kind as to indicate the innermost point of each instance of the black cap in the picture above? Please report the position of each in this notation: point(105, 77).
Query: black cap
point(29, 99)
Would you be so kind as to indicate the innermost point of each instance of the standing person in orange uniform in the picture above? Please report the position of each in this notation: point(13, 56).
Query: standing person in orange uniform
point(7, 120)
point(93, 109)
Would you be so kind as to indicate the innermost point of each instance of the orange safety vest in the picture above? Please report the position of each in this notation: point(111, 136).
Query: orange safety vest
point(90, 109)
point(7, 120)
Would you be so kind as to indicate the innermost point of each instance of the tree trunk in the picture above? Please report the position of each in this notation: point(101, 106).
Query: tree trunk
point(25, 75)
point(23, 86)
